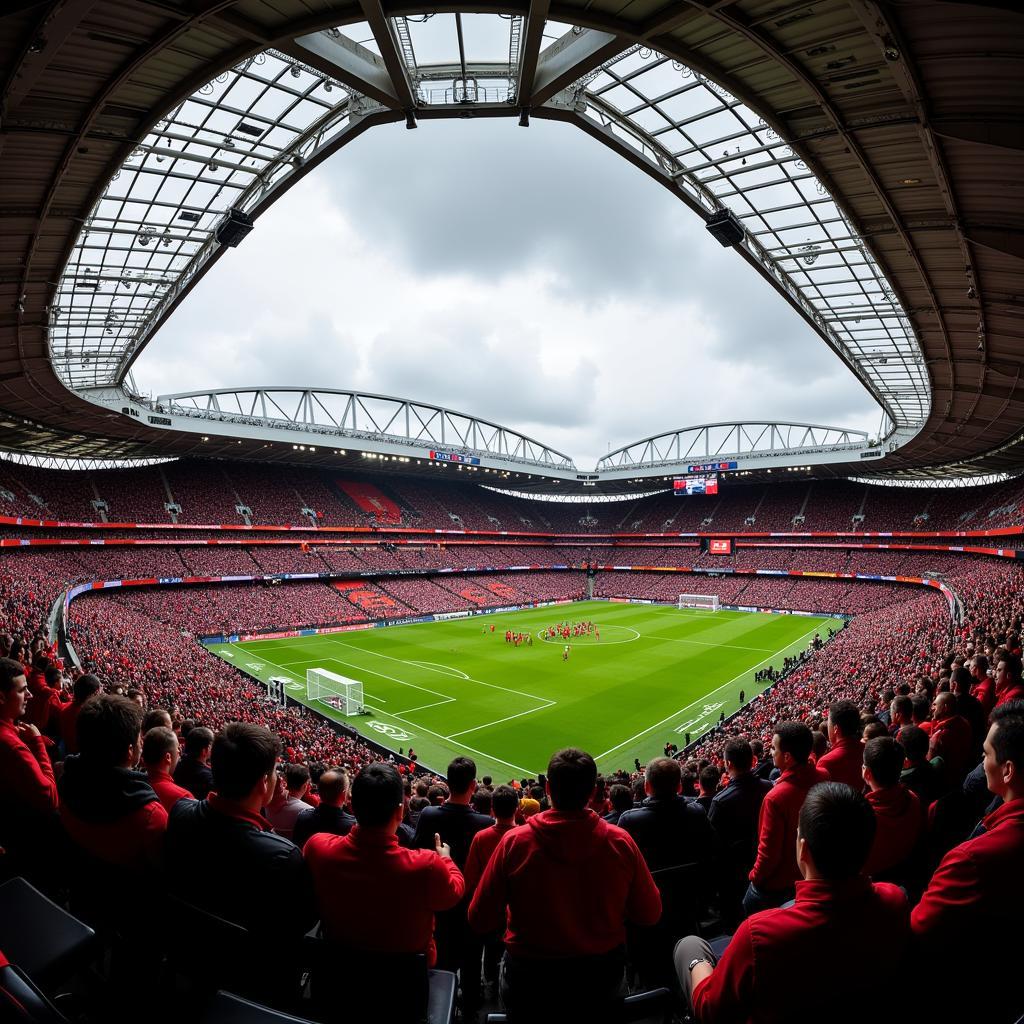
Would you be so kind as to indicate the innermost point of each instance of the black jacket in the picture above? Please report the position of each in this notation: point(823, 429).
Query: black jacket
point(233, 869)
point(194, 776)
point(335, 820)
point(734, 815)
point(455, 823)
point(670, 832)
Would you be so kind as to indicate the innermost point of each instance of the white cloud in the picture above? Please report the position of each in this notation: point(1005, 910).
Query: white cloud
point(527, 277)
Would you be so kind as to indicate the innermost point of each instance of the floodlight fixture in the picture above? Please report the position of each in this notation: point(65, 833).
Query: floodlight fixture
point(410, 119)
point(233, 228)
point(524, 117)
point(725, 227)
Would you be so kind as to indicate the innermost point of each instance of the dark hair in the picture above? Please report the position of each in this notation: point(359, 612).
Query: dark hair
point(795, 739)
point(85, 686)
point(242, 755)
point(52, 675)
point(156, 742)
point(621, 797)
point(572, 776)
point(710, 778)
point(838, 826)
point(845, 717)
point(333, 784)
point(486, 781)
point(107, 726)
point(376, 794)
point(504, 801)
point(461, 775)
point(1012, 663)
point(884, 757)
point(740, 754)
point(155, 718)
point(903, 706)
point(922, 707)
point(1008, 737)
point(664, 775)
point(915, 742)
point(9, 671)
point(874, 729)
point(198, 739)
point(481, 801)
point(296, 775)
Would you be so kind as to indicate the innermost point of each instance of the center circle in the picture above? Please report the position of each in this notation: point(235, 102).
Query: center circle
point(590, 641)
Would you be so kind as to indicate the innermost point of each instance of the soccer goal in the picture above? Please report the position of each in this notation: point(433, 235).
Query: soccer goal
point(709, 602)
point(338, 692)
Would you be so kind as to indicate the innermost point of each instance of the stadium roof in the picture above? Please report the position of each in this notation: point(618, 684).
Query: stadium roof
point(872, 155)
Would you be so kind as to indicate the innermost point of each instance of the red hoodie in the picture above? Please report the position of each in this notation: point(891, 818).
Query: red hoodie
point(843, 762)
point(776, 869)
point(570, 883)
point(898, 825)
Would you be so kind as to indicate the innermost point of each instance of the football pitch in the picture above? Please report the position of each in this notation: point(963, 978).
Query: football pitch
point(455, 687)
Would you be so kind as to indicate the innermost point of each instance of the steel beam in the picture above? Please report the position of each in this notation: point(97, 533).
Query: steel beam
point(533, 38)
point(570, 58)
point(383, 36)
point(348, 62)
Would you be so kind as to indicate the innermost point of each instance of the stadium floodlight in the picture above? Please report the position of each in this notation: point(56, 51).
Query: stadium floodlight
point(725, 226)
point(338, 692)
point(234, 227)
point(707, 602)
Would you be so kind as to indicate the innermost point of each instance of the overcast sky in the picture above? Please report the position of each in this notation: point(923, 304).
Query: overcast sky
point(527, 276)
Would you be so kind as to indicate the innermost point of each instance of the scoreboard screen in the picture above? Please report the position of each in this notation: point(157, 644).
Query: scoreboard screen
point(696, 485)
point(719, 546)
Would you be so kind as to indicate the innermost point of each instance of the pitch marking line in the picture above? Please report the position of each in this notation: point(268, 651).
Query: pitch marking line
point(507, 718)
point(446, 669)
point(398, 718)
point(706, 696)
point(470, 679)
point(710, 643)
point(596, 643)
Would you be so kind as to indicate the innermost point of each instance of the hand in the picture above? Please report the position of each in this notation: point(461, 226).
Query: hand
point(443, 849)
point(26, 729)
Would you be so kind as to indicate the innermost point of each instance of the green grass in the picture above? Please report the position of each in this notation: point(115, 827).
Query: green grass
point(455, 687)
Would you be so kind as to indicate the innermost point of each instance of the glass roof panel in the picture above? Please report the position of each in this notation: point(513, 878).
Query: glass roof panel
point(242, 135)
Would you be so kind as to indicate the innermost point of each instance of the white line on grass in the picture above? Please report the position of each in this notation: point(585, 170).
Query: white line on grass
point(702, 699)
point(507, 718)
point(711, 643)
point(402, 661)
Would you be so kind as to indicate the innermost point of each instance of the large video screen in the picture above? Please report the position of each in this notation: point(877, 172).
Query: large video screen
point(720, 546)
point(696, 485)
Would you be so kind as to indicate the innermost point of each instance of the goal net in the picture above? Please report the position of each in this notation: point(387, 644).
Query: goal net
point(339, 692)
point(709, 602)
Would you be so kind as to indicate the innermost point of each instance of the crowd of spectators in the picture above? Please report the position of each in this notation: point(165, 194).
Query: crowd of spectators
point(212, 493)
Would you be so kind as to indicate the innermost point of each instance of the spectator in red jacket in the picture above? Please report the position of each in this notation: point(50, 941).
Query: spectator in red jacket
point(950, 739)
point(564, 886)
point(46, 697)
point(160, 752)
point(845, 758)
point(85, 687)
point(983, 686)
point(1009, 685)
point(372, 893)
point(899, 819)
point(108, 808)
point(775, 870)
point(975, 894)
point(28, 791)
point(504, 802)
point(865, 923)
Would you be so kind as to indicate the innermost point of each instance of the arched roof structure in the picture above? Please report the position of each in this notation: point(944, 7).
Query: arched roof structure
point(870, 153)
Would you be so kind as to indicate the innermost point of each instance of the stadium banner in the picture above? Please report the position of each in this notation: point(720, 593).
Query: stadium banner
point(464, 460)
point(423, 532)
point(445, 616)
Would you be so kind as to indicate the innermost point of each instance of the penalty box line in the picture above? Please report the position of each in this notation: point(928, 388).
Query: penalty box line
point(711, 693)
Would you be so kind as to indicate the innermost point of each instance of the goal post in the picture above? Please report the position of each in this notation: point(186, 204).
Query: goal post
point(709, 602)
point(338, 692)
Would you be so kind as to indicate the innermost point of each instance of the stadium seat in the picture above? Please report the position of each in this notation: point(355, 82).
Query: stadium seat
point(44, 940)
point(21, 1002)
point(413, 993)
point(226, 1008)
point(653, 1005)
point(214, 953)
point(650, 949)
